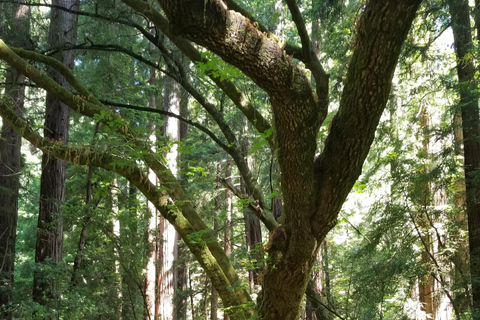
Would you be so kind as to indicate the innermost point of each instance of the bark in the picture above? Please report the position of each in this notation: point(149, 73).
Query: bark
point(11, 161)
point(312, 191)
point(459, 12)
point(461, 292)
point(152, 307)
point(169, 237)
point(426, 287)
point(181, 267)
point(227, 227)
point(296, 115)
point(63, 29)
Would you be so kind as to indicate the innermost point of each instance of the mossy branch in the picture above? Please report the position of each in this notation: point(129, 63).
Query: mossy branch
point(85, 155)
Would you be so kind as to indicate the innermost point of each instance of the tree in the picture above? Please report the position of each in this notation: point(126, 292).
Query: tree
point(63, 29)
point(11, 159)
point(313, 188)
point(459, 11)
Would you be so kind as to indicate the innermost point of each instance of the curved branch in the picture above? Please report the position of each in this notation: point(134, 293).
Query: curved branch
point(228, 87)
point(365, 94)
point(237, 97)
point(88, 105)
point(185, 221)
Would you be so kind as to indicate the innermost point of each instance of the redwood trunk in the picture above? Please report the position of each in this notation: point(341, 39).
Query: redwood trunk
point(459, 11)
point(63, 29)
point(10, 161)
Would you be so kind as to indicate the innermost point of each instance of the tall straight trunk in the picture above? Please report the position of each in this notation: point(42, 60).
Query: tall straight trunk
point(10, 161)
point(253, 230)
point(87, 219)
point(169, 237)
point(459, 12)
point(151, 293)
point(218, 201)
point(227, 235)
point(63, 29)
point(131, 281)
point(116, 291)
point(426, 282)
point(181, 267)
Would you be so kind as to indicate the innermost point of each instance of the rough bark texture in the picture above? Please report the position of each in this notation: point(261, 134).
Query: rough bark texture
point(63, 29)
point(10, 159)
point(312, 197)
point(459, 11)
point(313, 190)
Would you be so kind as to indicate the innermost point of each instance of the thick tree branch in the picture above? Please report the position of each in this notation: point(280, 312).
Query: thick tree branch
point(234, 150)
point(292, 50)
point(91, 106)
point(90, 109)
point(381, 31)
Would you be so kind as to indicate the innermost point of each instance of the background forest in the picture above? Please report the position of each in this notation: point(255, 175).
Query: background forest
point(159, 130)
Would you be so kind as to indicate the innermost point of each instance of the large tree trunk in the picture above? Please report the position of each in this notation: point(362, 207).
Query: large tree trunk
point(313, 190)
point(10, 159)
point(312, 194)
point(63, 29)
point(459, 11)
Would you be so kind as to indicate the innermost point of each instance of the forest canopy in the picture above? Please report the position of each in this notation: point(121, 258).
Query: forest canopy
point(239, 159)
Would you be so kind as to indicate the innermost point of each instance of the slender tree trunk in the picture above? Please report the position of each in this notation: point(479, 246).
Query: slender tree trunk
point(459, 11)
point(10, 160)
point(218, 201)
point(227, 236)
point(461, 255)
point(116, 294)
point(86, 222)
point(151, 289)
point(181, 267)
point(169, 238)
point(425, 282)
point(63, 29)
point(83, 233)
